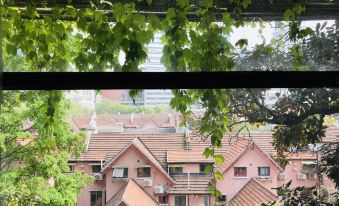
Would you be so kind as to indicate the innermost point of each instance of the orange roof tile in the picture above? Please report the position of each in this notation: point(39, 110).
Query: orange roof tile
point(144, 150)
point(302, 155)
point(240, 147)
point(108, 145)
point(187, 156)
point(251, 194)
point(132, 194)
point(194, 184)
point(236, 150)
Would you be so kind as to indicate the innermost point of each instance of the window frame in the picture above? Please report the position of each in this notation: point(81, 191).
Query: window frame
point(175, 167)
point(125, 173)
point(266, 174)
point(204, 165)
point(222, 199)
point(96, 165)
point(240, 174)
point(208, 200)
point(96, 194)
point(142, 175)
point(178, 196)
point(162, 198)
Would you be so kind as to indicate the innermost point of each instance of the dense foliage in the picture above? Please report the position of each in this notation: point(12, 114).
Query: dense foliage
point(86, 39)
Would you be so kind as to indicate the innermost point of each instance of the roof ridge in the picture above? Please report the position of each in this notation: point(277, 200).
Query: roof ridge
point(261, 188)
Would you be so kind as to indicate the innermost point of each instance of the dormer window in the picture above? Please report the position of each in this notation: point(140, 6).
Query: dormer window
point(144, 171)
point(263, 171)
point(240, 171)
point(121, 172)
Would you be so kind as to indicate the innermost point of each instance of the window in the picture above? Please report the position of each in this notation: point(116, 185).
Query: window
point(96, 168)
point(175, 170)
point(240, 172)
point(96, 198)
point(70, 168)
point(222, 198)
point(120, 173)
point(206, 200)
point(263, 171)
point(144, 172)
point(180, 200)
point(204, 166)
point(163, 199)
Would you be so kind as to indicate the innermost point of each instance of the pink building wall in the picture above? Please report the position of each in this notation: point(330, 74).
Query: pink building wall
point(252, 159)
point(292, 171)
point(96, 185)
point(133, 159)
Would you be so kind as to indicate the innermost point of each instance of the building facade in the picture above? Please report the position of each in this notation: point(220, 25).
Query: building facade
point(168, 168)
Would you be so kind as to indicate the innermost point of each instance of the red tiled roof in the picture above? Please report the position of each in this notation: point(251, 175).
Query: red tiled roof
point(106, 146)
point(240, 147)
point(191, 185)
point(144, 150)
point(132, 194)
point(253, 193)
point(236, 150)
point(303, 155)
point(128, 120)
point(187, 156)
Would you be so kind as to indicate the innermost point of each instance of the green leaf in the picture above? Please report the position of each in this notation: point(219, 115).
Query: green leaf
point(241, 43)
point(149, 2)
point(207, 3)
point(219, 159)
point(208, 152)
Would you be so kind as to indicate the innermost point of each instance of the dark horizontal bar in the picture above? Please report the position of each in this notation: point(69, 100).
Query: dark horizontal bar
point(166, 80)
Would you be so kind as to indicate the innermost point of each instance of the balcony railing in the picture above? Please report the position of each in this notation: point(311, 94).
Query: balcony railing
point(185, 175)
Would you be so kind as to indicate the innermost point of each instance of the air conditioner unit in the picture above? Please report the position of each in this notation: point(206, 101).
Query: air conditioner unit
point(282, 176)
point(148, 182)
point(301, 176)
point(264, 178)
point(313, 176)
point(97, 176)
point(159, 189)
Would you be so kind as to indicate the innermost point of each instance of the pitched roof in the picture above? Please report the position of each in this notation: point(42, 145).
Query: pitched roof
point(303, 155)
point(127, 120)
point(187, 156)
point(132, 194)
point(193, 184)
point(106, 146)
point(251, 194)
point(238, 149)
point(144, 150)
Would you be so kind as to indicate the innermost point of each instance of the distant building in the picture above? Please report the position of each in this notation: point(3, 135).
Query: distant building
point(152, 97)
point(85, 98)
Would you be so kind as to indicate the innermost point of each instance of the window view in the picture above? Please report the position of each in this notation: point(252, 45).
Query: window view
point(175, 170)
point(264, 129)
point(120, 173)
point(263, 171)
point(163, 199)
point(240, 172)
point(180, 200)
point(96, 168)
point(144, 172)
point(96, 198)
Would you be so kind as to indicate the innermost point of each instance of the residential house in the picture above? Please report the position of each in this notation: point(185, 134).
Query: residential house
point(168, 169)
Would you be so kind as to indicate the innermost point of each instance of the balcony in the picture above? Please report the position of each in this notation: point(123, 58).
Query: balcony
point(186, 175)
